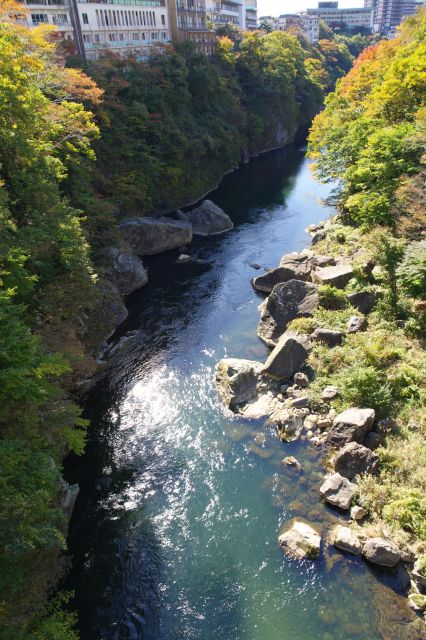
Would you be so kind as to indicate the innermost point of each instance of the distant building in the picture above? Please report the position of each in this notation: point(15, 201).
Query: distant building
point(269, 20)
point(307, 24)
point(251, 14)
point(330, 13)
point(53, 12)
point(188, 21)
point(388, 14)
point(227, 12)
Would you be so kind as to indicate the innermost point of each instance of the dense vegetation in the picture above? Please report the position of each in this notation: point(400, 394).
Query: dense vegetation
point(371, 140)
point(169, 127)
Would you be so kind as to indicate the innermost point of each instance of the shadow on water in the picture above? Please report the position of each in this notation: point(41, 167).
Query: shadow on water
point(174, 532)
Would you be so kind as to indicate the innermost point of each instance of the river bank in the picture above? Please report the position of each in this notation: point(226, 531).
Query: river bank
point(323, 316)
point(175, 529)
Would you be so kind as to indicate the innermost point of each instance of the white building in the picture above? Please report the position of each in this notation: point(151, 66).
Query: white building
point(251, 14)
point(227, 11)
point(269, 20)
point(330, 13)
point(53, 12)
point(306, 24)
point(388, 14)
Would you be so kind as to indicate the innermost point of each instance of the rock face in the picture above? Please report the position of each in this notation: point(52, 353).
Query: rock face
point(261, 407)
point(337, 276)
point(419, 576)
point(237, 380)
point(354, 459)
point(287, 357)
point(126, 272)
point(374, 440)
point(338, 491)
point(351, 425)
point(345, 539)
point(267, 281)
point(68, 497)
point(149, 236)
point(358, 513)
point(357, 323)
point(364, 301)
point(207, 220)
point(289, 424)
point(301, 541)
point(289, 300)
point(329, 393)
point(329, 336)
point(381, 551)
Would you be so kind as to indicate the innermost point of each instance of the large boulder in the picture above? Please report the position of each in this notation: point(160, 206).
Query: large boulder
point(354, 459)
point(364, 301)
point(301, 541)
point(381, 551)
point(337, 276)
point(287, 357)
point(207, 220)
point(338, 491)
point(356, 324)
point(293, 266)
point(260, 407)
point(237, 381)
point(149, 236)
point(126, 271)
point(288, 300)
point(289, 424)
point(68, 497)
point(351, 425)
point(345, 539)
point(330, 337)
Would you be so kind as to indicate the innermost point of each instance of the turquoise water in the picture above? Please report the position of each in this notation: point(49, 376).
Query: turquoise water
point(174, 534)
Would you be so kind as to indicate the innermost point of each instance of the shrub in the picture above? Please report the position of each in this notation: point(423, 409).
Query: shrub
point(332, 298)
point(302, 325)
point(421, 564)
point(407, 511)
point(366, 387)
point(412, 270)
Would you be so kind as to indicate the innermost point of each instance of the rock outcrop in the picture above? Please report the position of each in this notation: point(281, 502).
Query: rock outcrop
point(345, 539)
point(301, 541)
point(207, 220)
point(357, 323)
point(381, 551)
point(337, 276)
point(68, 497)
point(338, 491)
point(351, 425)
point(364, 301)
point(287, 357)
point(330, 337)
point(126, 271)
point(354, 459)
point(289, 300)
point(237, 381)
point(149, 236)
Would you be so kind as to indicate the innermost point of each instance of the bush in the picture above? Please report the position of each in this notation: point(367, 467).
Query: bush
point(412, 270)
point(421, 563)
point(332, 298)
point(366, 387)
point(302, 325)
point(408, 511)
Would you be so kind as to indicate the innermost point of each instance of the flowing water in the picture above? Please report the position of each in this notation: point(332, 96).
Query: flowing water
point(174, 533)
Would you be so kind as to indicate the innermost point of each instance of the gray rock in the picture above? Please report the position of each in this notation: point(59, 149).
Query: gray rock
point(345, 539)
point(329, 336)
point(417, 601)
point(418, 576)
point(337, 276)
point(358, 513)
point(301, 541)
point(300, 403)
point(237, 381)
point(126, 271)
point(354, 459)
point(68, 497)
point(108, 312)
point(364, 301)
point(287, 357)
point(381, 551)
point(207, 220)
point(293, 266)
point(289, 424)
point(374, 440)
point(288, 300)
point(338, 491)
point(149, 236)
point(351, 425)
point(301, 379)
point(329, 393)
point(321, 260)
point(292, 463)
point(183, 258)
point(255, 265)
point(318, 236)
point(260, 407)
point(357, 323)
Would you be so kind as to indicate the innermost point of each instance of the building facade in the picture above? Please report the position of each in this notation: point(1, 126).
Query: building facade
point(227, 11)
point(330, 13)
point(188, 21)
point(251, 14)
point(388, 14)
point(53, 12)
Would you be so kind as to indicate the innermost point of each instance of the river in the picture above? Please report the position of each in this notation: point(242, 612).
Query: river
point(174, 532)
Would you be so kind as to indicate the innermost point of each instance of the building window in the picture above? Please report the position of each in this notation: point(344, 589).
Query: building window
point(87, 37)
point(164, 35)
point(112, 37)
point(97, 37)
point(121, 36)
point(85, 18)
point(38, 18)
point(163, 20)
point(135, 36)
